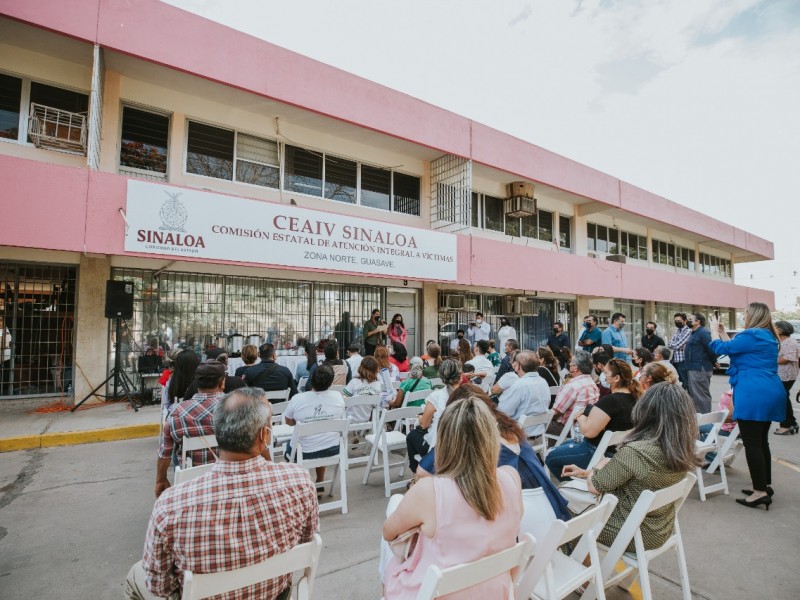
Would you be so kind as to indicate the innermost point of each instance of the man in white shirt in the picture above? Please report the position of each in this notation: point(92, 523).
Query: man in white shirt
point(507, 379)
point(483, 366)
point(320, 404)
point(454, 342)
point(354, 358)
point(479, 329)
point(529, 395)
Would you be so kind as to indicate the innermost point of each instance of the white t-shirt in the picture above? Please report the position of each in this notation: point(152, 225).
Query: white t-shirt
point(354, 360)
point(315, 406)
point(438, 398)
point(356, 387)
point(481, 364)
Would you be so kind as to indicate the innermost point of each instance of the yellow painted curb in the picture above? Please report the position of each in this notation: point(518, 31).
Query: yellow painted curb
point(71, 438)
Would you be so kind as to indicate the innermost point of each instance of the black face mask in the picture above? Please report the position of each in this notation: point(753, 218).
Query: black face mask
point(461, 337)
point(678, 324)
point(651, 331)
point(555, 330)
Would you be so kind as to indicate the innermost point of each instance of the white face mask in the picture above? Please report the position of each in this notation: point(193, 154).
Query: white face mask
point(479, 321)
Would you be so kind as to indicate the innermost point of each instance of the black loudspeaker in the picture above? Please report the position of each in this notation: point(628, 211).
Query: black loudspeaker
point(119, 299)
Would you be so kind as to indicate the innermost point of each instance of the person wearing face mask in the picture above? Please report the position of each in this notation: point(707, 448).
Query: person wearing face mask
point(700, 359)
point(591, 337)
point(454, 342)
point(651, 341)
point(397, 330)
point(615, 336)
point(678, 346)
point(505, 333)
point(558, 339)
point(374, 333)
point(479, 329)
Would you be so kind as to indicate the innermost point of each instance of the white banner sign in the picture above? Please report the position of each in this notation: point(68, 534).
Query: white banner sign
point(184, 222)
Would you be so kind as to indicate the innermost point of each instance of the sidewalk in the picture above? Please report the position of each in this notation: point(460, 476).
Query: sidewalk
point(22, 427)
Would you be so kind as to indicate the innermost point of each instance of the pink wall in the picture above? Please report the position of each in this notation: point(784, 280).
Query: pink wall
point(65, 208)
point(162, 34)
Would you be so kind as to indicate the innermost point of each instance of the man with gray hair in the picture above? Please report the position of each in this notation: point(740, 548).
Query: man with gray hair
point(662, 355)
point(529, 395)
point(242, 512)
point(578, 393)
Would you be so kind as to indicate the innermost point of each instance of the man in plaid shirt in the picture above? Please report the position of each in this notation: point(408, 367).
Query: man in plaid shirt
point(241, 513)
point(678, 346)
point(191, 418)
point(580, 391)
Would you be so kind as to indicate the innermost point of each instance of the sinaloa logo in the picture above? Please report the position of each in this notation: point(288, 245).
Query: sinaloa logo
point(171, 234)
point(173, 213)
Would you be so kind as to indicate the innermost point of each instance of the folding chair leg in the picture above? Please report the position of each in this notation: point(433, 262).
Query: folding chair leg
point(333, 480)
point(700, 487)
point(594, 556)
point(387, 476)
point(644, 579)
point(724, 476)
point(368, 467)
point(343, 487)
point(685, 587)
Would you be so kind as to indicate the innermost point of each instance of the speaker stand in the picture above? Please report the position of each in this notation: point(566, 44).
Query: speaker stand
point(117, 373)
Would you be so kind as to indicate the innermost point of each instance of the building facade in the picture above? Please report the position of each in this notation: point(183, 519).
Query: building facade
point(252, 194)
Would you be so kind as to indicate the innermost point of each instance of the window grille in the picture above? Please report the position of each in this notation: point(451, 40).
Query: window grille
point(376, 187)
point(209, 151)
point(451, 193)
point(37, 305)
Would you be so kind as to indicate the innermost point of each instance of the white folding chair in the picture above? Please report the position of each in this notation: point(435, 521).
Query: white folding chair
point(441, 582)
point(403, 375)
point(610, 438)
point(189, 473)
point(199, 442)
point(554, 389)
point(281, 432)
point(396, 385)
point(567, 431)
point(386, 442)
point(338, 461)
point(278, 395)
point(712, 443)
point(304, 556)
point(415, 397)
point(532, 420)
point(552, 574)
point(371, 403)
point(638, 563)
point(337, 388)
point(302, 383)
point(436, 382)
point(729, 451)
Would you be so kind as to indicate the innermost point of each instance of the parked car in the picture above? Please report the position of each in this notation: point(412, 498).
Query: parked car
point(723, 360)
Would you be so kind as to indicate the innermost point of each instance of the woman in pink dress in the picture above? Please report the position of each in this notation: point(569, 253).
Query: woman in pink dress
point(468, 510)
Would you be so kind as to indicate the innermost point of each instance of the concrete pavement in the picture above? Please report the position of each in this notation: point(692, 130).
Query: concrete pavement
point(73, 520)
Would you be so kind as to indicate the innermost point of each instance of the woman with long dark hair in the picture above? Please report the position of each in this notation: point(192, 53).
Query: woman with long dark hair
point(611, 413)
point(397, 331)
point(399, 357)
point(656, 454)
point(758, 394)
point(186, 364)
point(303, 369)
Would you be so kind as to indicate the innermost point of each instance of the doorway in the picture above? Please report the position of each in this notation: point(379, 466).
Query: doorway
point(404, 301)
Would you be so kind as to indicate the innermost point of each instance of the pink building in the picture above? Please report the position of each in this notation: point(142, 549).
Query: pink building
point(252, 194)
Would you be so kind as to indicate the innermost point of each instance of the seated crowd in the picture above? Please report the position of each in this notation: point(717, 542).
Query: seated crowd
point(468, 450)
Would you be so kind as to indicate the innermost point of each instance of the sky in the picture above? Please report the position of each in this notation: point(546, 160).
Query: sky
point(698, 102)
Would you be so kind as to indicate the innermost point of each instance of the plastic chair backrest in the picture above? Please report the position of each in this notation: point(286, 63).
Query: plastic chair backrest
point(416, 396)
point(441, 582)
point(610, 438)
point(278, 395)
point(304, 556)
point(183, 475)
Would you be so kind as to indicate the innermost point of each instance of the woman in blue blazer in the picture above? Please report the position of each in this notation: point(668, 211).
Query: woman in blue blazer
point(758, 394)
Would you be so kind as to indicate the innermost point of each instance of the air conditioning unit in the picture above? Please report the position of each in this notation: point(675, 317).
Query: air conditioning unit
point(618, 258)
point(57, 129)
point(454, 301)
point(510, 306)
point(526, 306)
point(519, 200)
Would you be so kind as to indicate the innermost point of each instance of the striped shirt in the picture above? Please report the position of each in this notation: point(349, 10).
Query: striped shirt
point(579, 392)
point(191, 418)
point(237, 515)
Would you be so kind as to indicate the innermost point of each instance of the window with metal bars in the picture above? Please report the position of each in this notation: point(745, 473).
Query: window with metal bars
point(194, 310)
point(37, 325)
